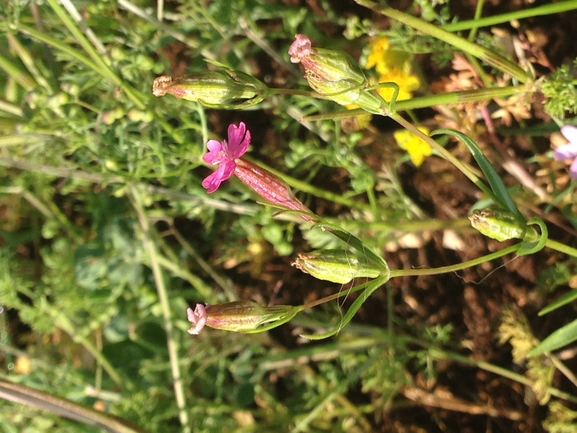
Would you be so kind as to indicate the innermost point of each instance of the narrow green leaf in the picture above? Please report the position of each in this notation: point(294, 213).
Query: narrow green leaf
point(563, 300)
point(500, 194)
point(371, 286)
point(561, 337)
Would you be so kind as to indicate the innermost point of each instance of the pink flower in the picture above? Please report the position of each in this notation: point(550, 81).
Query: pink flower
point(300, 48)
point(261, 181)
point(197, 318)
point(569, 150)
point(225, 154)
point(237, 316)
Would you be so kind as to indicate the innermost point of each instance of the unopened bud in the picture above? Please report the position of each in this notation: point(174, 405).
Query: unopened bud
point(214, 88)
point(501, 225)
point(238, 316)
point(335, 75)
point(337, 266)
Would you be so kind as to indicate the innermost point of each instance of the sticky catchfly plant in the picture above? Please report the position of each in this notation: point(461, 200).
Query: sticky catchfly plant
point(569, 150)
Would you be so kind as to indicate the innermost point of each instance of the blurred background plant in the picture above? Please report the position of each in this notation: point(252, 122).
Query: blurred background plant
point(108, 235)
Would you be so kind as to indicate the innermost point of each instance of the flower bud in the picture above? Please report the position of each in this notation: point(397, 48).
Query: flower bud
point(237, 316)
point(501, 225)
point(213, 88)
point(337, 266)
point(270, 187)
point(335, 75)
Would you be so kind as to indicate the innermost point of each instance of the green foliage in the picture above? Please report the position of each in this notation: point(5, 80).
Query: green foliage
point(560, 92)
point(107, 235)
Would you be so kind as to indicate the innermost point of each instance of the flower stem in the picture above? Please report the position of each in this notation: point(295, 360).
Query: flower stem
point(457, 267)
point(172, 345)
point(443, 152)
point(548, 9)
point(497, 61)
point(562, 248)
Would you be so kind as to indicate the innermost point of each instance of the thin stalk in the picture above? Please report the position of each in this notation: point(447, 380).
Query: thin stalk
point(171, 343)
point(38, 399)
point(433, 100)
point(478, 12)
point(457, 267)
point(67, 326)
point(444, 153)
point(11, 108)
point(562, 368)
point(441, 354)
point(413, 272)
point(103, 67)
point(67, 172)
point(17, 74)
point(28, 61)
point(87, 30)
point(562, 248)
point(497, 61)
point(457, 224)
point(548, 9)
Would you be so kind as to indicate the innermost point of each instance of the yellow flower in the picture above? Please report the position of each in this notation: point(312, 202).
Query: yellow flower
point(407, 84)
point(417, 148)
point(392, 66)
point(376, 57)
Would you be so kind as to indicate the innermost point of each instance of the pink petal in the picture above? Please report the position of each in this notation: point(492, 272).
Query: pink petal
point(238, 139)
point(197, 318)
point(570, 133)
point(215, 152)
point(573, 169)
point(300, 48)
point(566, 151)
point(222, 173)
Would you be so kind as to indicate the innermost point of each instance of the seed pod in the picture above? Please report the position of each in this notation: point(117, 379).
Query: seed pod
point(501, 225)
point(337, 266)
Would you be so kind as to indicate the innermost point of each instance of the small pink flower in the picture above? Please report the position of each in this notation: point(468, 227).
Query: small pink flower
point(197, 318)
point(300, 48)
point(569, 150)
point(261, 181)
point(225, 154)
point(237, 316)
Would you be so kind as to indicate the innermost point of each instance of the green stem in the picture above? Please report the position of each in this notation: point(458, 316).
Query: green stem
point(38, 399)
point(457, 224)
point(497, 61)
point(172, 345)
point(444, 153)
point(67, 326)
point(439, 99)
point(478, 13)
point(548, 9)
point(457, 267)
point(17, 74)
point(562, 248)
point(102, 67)
point(414, 272)
point(441, 354)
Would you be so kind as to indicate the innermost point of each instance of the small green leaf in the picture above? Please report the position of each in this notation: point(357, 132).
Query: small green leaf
point(561, 337)
point(500, 194)
point(348, 316)
point(563, 300)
